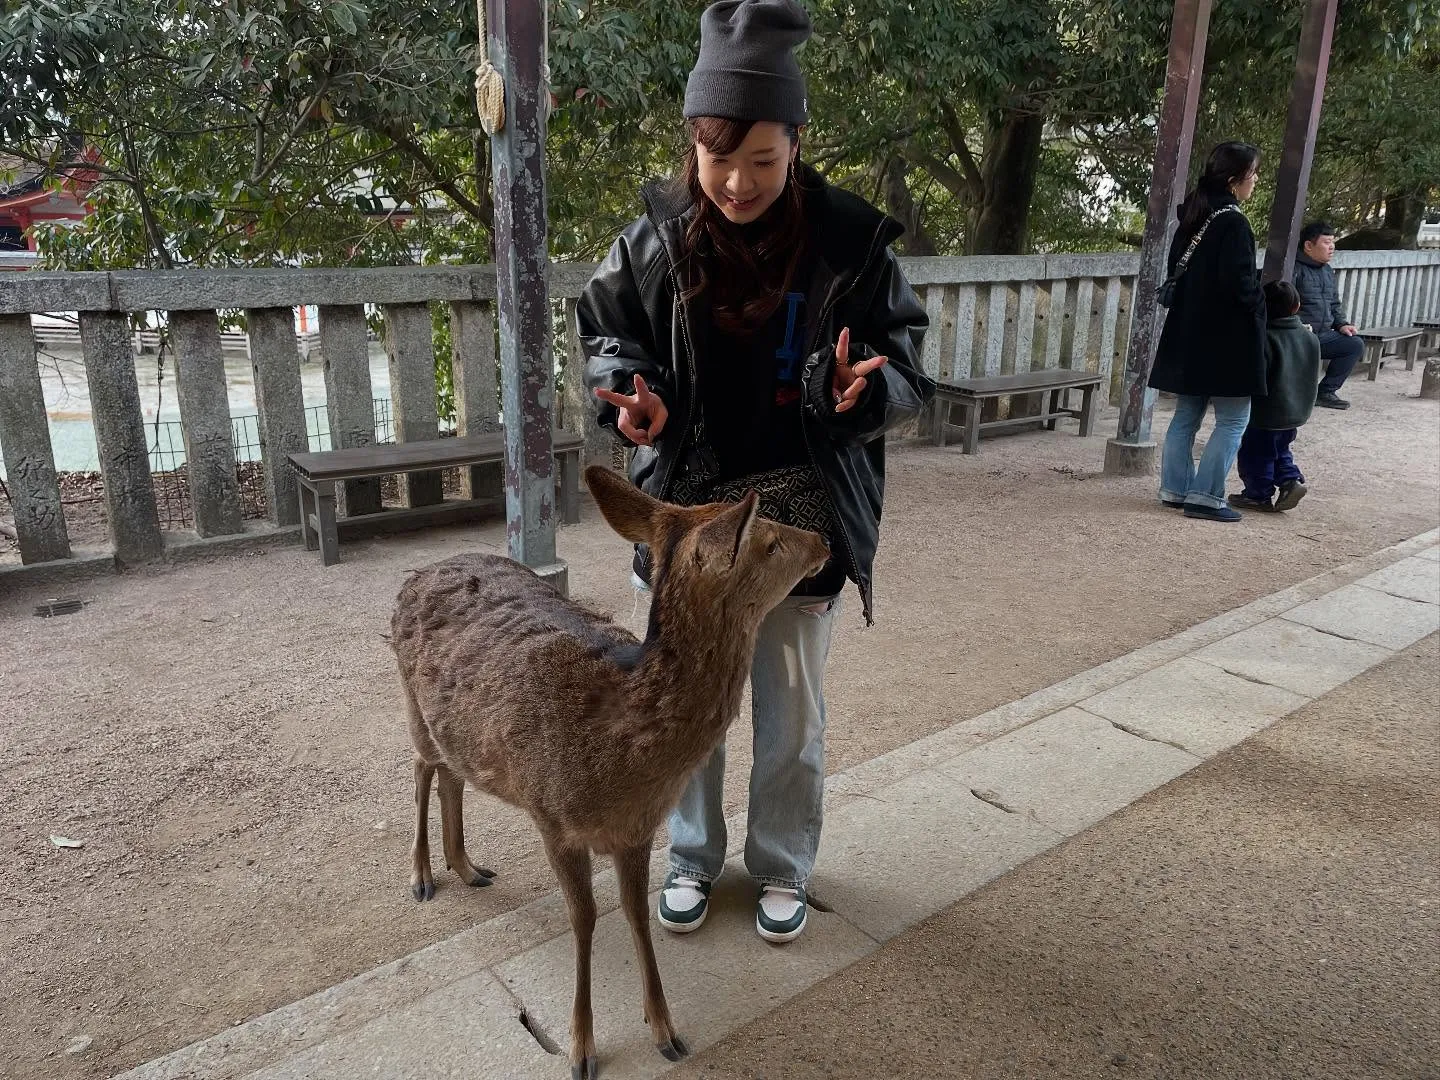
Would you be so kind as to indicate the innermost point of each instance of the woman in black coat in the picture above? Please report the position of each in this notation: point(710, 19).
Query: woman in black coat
point(1212, 349)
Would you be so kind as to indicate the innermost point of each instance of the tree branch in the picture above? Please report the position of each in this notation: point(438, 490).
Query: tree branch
point(955, 133)
point(483, 211)
point(147, 212)
point(947, 175)
point(260, 172)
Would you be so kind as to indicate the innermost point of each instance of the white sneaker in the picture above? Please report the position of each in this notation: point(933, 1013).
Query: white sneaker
point(684, 902)
point(780, 914)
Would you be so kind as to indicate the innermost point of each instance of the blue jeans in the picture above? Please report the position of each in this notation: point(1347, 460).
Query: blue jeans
point(1180, 479)
point(787, 780)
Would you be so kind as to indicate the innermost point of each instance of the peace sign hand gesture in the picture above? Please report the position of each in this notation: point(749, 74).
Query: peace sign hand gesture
point(642, 414)
point(850, 379)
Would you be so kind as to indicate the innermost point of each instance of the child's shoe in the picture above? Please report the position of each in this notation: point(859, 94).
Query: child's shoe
point(1245, 502)
point(1290, 495)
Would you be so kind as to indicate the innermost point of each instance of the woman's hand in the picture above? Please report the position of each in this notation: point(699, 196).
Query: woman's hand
point(642, 414)
point(849, 381)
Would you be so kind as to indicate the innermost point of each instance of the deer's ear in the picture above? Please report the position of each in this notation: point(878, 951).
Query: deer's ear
point(630, 512)
point(722, 538)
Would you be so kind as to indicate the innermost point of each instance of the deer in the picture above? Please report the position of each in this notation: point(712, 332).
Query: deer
point(553, 708)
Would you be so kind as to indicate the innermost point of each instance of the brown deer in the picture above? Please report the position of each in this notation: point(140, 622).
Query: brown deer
point(551, 707)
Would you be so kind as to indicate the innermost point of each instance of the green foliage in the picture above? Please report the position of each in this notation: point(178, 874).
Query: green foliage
point(343, 133)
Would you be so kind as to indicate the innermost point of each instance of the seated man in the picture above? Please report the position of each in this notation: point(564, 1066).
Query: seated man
point(1340, 349)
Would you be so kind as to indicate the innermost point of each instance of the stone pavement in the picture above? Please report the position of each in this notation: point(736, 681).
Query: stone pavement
point(908, 835)
point(1270, 915)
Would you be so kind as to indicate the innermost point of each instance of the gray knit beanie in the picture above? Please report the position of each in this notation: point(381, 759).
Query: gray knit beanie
point(747, 68)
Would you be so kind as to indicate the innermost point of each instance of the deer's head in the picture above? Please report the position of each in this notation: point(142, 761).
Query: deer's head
point(722, 557)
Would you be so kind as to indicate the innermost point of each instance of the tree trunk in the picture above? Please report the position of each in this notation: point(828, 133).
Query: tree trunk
point(900, 204)
point(1012, 161)
point(1404, 213)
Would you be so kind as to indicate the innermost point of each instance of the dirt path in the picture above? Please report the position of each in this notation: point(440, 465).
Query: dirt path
point(225, 737)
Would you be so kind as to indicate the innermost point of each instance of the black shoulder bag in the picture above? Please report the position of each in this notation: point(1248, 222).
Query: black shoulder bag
point(1165, 294)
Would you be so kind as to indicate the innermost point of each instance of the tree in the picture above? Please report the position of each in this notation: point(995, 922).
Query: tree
point(307, 131)
point(226, 134)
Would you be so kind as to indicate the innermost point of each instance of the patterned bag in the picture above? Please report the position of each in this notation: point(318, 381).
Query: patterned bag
point(793, 495)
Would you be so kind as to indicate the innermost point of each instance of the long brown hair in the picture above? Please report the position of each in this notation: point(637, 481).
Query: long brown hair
point(746, 281)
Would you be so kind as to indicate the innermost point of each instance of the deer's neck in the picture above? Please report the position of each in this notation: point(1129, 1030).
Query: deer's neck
point(688, 684)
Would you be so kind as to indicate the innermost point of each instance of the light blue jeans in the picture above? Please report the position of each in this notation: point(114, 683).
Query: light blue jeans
point(787, 779)
point(1180, 479)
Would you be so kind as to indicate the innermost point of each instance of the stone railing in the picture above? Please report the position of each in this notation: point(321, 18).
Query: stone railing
point(989, 315)
point(1389, 288)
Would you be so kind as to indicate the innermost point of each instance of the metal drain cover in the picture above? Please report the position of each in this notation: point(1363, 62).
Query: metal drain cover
point(55, 606)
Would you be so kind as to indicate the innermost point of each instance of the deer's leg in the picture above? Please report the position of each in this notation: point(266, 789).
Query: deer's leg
point(572, 867)
point(633, 868)
point(422, 882)
point(452, 829)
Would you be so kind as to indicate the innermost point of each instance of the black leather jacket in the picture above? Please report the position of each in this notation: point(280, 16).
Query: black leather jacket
point(632, 322)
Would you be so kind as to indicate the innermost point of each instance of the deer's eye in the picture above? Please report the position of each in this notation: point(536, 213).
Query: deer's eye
point(773, 548)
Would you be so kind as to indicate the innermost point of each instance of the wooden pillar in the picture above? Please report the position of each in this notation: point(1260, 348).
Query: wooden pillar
point(1292, 180)
point(1131, 452)
point(516, 40)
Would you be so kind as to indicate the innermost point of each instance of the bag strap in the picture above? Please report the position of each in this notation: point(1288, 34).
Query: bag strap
point(1195, 241)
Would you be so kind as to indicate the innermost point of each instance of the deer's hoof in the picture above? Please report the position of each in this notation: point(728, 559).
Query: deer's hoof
point(674, 1050)
point(422, 890)
point(588, 1069)
point(481, 878)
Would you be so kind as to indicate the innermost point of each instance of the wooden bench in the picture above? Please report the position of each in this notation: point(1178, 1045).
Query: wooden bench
point(318, 474)
point(1376, 340)
point(970, 394)
point(1430, 339)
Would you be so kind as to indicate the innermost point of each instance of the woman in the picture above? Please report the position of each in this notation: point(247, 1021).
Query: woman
point(753, 330)
point(1212, 350)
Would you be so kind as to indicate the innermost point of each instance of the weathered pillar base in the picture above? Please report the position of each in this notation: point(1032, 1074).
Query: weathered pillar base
point(1129, 458)
point(1430, 380)
point(557, 574)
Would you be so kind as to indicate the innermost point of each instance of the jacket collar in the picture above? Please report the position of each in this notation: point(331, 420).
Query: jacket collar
point(1306, 260)
point(1287, 322)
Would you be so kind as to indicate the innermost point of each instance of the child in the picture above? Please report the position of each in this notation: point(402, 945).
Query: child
point(1292, 370)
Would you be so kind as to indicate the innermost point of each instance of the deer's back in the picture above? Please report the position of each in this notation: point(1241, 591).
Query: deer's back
point(514, 683)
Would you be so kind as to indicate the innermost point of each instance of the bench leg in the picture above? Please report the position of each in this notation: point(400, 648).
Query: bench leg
point(307, 508)
point(1412, 351)
point(1087, 411)
point(939, 417)
point(972, 426)
point(325, 519)
point(570, 487)
point(1374, 350)
point(1052, 406)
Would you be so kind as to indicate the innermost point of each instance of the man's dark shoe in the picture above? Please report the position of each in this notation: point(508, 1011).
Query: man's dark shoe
point(1211, 513)
point(1172, 504)
point(1328, 399)
point(1290, 495)
point(1245, 502)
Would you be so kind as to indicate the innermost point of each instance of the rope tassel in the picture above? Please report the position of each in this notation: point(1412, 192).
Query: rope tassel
point(489, 83)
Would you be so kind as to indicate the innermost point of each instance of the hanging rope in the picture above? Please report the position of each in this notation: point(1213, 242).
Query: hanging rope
point(489, 83)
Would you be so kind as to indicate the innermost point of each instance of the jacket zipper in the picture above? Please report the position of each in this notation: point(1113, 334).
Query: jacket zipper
point(809, 448)
point(684, 318)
